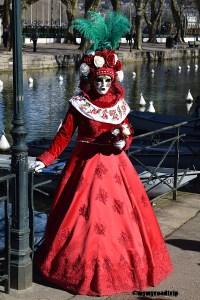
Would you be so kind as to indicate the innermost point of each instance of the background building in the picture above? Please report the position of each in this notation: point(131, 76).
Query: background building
point(46, 12)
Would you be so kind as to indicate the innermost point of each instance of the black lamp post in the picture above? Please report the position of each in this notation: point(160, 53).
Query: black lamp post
point(21, 263)
point(51, 13)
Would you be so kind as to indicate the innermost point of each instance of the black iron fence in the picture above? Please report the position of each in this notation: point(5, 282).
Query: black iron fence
point(45, 31)
point(161, 153)
point(7, 201)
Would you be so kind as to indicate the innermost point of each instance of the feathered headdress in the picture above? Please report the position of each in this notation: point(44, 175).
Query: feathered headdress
point(104, 34)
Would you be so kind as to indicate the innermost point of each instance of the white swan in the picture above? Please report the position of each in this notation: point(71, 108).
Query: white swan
point(151, 107)
point(188, 67)
point(196, 67)
point(1, 83)
point(142, 108)
point(189, 96)
point(134, 74)
point(4, 144)
point(189, 106)
point(60, 78)
point(30, 80)
point(142, 101)
point(30, 85)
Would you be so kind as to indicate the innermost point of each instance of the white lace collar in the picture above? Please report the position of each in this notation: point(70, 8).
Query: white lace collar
point(112, 115)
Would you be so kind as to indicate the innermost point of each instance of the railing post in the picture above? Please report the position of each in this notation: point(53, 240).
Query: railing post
point(21, 263)
point(176, 164)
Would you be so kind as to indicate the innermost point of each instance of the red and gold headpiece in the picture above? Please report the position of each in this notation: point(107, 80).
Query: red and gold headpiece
point(101, 62)
point(104, 34)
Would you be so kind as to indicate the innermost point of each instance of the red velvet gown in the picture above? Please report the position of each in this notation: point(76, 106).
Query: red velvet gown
point(102, 236)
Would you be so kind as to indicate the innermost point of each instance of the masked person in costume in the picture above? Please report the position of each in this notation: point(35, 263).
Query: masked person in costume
point(102, 236)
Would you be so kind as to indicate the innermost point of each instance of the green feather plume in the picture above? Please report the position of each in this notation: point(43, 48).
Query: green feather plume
point(104, 33)
point(117, 25)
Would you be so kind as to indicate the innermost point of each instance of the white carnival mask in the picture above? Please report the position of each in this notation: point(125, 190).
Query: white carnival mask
point(102, 84)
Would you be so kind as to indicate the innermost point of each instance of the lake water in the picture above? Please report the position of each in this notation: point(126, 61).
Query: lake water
point(46, 101)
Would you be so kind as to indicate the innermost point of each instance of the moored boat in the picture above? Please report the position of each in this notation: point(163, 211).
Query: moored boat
point(147, 121)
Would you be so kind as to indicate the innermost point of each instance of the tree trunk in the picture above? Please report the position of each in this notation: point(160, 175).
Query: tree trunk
point(6, 14)
point(152, 33)
point(71, 11)
point(198, 5)
point(6, 21)
point(139, 6)
point(178, 19)
point(91, 5)
point(29, 2)
point(116, 5)
point(156, 10)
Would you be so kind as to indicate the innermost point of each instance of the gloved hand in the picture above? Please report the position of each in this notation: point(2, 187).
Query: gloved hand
point(37, 166)
point(119, 144)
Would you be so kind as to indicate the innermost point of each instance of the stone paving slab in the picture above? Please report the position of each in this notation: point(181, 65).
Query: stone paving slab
point(179, 221)
point(172, 214)
point(149, 52)
point(184, 247)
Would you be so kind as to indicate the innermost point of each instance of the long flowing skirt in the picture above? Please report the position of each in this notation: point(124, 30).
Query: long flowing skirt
point(102, 236)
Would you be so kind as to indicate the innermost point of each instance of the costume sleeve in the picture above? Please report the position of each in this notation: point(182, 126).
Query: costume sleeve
point(62, 138)
point(129, 139)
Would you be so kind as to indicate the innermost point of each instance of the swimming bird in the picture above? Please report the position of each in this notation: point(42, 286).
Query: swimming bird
point(4, 144)
point(30, 85)
point(1, 83)
point(134, 74)
point(30, 80)
point(196, 67)
point(179, 68)
point(189, 106)
point(142, 108)
point(60, 78)
point(152, 71)
point(151, 107)
point(189, 97)
point(188, 67)
point(142, 101)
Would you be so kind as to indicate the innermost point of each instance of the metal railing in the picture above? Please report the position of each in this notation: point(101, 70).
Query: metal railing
point(154, 149)
point(7, 194)
point(5, 199)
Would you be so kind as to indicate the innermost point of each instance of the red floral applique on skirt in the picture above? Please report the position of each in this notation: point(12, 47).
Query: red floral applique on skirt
point(102, 236)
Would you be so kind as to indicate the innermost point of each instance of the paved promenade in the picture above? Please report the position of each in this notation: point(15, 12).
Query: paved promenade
point(64, 55)
point(179, 221)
